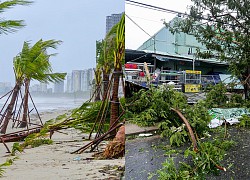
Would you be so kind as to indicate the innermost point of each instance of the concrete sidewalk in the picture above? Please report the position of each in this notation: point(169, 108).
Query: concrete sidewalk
point(131, 129)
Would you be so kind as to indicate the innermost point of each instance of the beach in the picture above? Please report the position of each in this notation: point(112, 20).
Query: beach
point(56, 161)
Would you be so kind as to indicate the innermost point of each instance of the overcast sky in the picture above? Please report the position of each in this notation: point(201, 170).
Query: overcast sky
point(78, 23)
point(149, 20)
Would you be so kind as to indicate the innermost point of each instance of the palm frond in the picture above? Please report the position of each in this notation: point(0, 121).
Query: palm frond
point(51, 44)
point(106, 56)
point(112, 31)
point(55, 77)
point(17, 68)
point(98, 76)
point(9, 4)
point(10, 26)
point(33, 62)
point(120, 42)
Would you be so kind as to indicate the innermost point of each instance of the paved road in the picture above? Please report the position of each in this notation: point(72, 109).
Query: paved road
point(146, 155)
point(143, 156)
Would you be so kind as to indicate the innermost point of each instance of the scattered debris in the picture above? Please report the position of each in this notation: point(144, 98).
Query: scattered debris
point(116, 171)
point(116, 148)
point(229, 115)
point(193, 139)
point(145, 135)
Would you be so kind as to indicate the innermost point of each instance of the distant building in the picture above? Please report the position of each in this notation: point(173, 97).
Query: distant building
point(49, 90)
point(41, 88)
point(79, 80)
point(76, 80)
point(90, 77)
point(35, 88)
point(83, 80)
point(112, 20)
point(44, 87)
point(69, 84)
point(59, 87)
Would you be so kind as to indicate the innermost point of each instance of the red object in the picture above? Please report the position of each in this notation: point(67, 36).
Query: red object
point(141, 74)
point(131, 66)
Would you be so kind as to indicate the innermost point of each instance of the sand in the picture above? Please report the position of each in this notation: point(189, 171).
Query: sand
point(55, 161)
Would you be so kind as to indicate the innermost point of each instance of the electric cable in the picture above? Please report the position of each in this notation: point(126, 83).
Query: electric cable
point(157, 8)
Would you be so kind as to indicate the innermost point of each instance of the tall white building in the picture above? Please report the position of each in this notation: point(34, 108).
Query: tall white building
point(76, 80)
point(90, 77)
point(80, 80)
point(83, 80)
point(112, 20)
point(43, 87)
point(59, 87)
point(69, 84)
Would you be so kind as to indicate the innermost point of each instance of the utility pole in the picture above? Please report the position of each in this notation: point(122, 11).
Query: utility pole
point(154, 53)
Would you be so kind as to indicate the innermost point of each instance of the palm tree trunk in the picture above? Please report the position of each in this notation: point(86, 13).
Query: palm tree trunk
point(97, 93)
point(105, 84)
point(10, 107)
point(115, 100)
point(25, 104)
point(246, 91)
point(246, 86)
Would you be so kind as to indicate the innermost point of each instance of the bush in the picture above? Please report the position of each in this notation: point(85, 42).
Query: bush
point(216, 97)
point(152, 106)
point(206, 160)
point(244, 121)
point(149, 107)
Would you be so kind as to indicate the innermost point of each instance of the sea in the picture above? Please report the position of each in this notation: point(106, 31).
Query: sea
point(47, 104)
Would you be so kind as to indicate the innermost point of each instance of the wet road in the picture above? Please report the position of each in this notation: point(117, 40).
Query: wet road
point(143, 157)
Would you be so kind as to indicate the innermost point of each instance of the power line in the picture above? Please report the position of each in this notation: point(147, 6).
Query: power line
point(145, 55)
point(144, 30)
point(146, 7)
point(138, 25)
point(159, 21)
point(153, 37)
point(157, 8)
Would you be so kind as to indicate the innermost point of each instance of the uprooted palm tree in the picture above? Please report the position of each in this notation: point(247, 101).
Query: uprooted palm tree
point(32, 63)
point(9, 26)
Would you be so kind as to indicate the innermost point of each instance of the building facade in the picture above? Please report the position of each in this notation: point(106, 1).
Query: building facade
point(59, 87)
point(80, 80)
point(76, 80)
point(44, 87)
point(68, 83)
point(112, 20)
point(39, 88)
point(178, 51)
